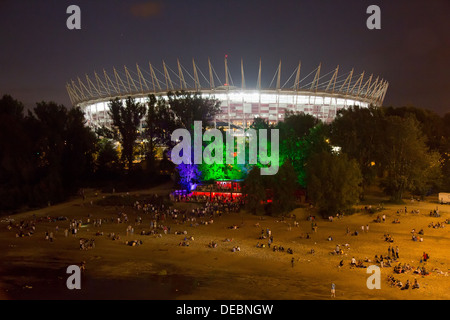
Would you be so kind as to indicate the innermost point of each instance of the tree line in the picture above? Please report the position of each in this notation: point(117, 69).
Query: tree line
point(402, 150)
point(48, 153)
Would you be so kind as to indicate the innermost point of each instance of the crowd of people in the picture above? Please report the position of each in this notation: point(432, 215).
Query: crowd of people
point(438, 225)
point(86, 244)
point(393, 282)
point(219, 204)
point(159, 218)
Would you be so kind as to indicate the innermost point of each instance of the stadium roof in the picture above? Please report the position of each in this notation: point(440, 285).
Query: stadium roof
point(140, 82)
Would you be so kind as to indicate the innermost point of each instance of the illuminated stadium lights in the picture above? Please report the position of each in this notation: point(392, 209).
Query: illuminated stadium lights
point(321, 95)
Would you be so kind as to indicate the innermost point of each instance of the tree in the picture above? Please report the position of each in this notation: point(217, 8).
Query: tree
point(79, 148)
point(44, 156)
point(333, 182)
point(284, 185)
point(187, 176)
point(160, 123)
point(17, 162)
point(189, 107)
point(445, 153)
point(254, 191)
point(436, 132)
point(65, 147)
point(301, 135)
point(431, 124)
point(297, 125)
point(407, 162)
point(260, 123)
point(185, 109)
point(359, 133)
point(127, 119)
point(107, 159)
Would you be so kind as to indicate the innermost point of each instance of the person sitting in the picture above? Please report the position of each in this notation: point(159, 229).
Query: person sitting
point(212, 244)
point(353, 262)
point(423, 272)
point(338, 249)
point(406, 287)
point(360, 264)
point(415, 285)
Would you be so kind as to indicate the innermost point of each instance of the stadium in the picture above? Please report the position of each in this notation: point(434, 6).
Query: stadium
point(318, 93)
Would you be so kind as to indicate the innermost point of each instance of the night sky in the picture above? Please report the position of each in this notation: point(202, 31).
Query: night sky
point(39, 54)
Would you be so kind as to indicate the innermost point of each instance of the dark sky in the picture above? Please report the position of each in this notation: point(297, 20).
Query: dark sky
point(38, 54)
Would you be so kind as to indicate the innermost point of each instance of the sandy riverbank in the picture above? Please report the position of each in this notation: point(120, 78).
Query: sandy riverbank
point(34, 268)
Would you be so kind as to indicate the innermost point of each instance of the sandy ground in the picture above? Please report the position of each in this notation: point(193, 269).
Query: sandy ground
point(34, 268)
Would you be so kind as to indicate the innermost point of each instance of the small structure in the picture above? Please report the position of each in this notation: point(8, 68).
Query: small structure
point(444, 197)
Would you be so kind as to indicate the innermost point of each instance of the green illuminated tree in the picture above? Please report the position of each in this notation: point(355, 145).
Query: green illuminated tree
point(300, 136)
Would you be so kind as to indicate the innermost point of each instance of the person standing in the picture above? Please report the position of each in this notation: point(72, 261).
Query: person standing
point(333, 290)
point(292, 262)
point(396, 251)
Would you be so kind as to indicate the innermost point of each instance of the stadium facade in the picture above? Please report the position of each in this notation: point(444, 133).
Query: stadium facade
point(318, 93)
